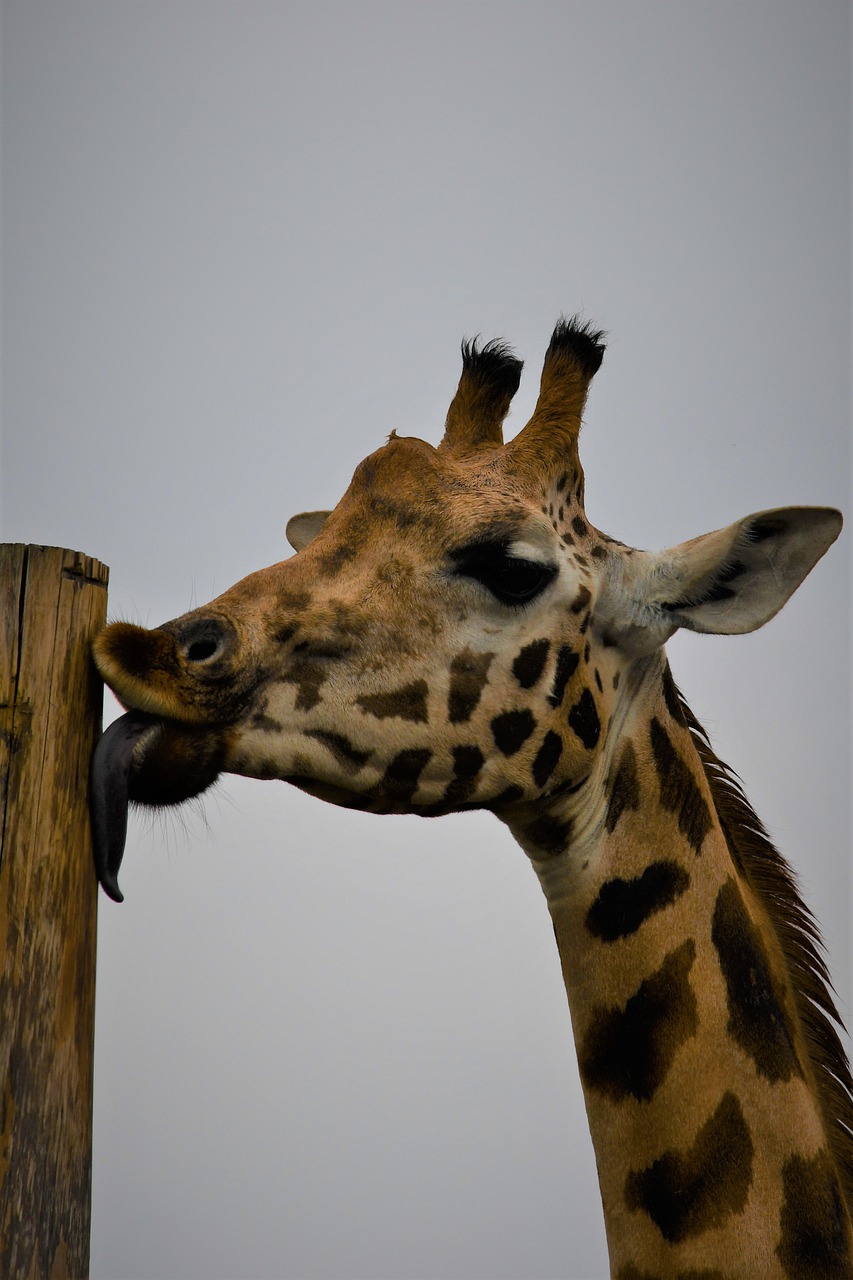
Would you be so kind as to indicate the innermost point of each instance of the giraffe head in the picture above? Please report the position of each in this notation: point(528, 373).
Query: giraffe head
point(455, 634)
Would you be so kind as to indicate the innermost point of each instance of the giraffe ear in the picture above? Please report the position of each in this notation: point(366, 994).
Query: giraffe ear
point(302, 529)
point(724, 583)
point(734, 580)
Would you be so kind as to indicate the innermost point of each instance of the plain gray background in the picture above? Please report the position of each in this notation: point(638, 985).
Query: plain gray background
point(241, 242)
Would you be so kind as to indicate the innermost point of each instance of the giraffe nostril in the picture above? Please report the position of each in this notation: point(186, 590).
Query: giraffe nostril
point(201, 650)
point(203, 640)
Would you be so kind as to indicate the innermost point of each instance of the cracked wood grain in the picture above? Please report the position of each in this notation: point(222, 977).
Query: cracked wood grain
point(52, 604)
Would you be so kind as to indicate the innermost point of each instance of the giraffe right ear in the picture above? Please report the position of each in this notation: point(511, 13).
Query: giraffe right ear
point(302, 529)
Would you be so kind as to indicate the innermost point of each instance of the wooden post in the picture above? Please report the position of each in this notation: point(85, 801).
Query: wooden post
point(52, 603)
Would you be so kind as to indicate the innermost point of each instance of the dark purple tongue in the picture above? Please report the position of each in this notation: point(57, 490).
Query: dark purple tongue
point(108, 795)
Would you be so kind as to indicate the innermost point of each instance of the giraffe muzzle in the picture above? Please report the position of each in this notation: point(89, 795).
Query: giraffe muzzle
point(190, 670)
point(183, 685)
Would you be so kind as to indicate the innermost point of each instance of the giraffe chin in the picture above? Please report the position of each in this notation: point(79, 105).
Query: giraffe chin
point(144, 760)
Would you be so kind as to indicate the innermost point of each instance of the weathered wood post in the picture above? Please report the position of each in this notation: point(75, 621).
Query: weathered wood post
point(52, 603)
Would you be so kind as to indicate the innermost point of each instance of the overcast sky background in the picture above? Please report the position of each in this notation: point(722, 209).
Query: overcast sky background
point(241, 242)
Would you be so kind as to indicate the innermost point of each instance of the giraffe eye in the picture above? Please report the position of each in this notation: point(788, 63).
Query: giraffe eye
point(510, 579)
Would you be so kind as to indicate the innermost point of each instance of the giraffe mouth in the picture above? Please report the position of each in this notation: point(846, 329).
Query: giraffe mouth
point(143, 759)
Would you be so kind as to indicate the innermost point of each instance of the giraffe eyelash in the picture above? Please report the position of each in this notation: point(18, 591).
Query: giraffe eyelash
point(513, 580)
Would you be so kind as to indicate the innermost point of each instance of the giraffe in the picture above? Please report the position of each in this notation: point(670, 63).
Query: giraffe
point(455, 634)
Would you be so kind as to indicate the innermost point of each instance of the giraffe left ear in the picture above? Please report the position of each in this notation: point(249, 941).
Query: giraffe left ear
point(302, 529)
point(725, 583)
point(734, 580)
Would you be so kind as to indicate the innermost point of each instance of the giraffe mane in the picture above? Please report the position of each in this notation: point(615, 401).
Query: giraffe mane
point(775, 885)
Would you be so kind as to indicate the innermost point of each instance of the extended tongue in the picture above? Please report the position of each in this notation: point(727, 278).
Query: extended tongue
point(108, 796)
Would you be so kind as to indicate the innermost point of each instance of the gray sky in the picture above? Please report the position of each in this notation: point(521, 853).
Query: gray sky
point(242, 241)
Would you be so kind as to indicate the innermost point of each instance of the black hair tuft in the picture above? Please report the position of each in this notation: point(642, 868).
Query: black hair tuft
point(495, 364)
point(577, 338)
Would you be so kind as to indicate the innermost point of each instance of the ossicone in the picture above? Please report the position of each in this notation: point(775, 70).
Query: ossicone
point(490, 378)
point(572, 360)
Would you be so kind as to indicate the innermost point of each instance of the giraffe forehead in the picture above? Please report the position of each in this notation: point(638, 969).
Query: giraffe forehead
point(410, 486)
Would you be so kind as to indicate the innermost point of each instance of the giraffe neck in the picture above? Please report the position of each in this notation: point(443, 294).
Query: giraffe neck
point(710, 1134)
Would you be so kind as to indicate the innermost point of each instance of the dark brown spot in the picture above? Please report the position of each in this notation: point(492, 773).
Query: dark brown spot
point(509, 795)
point(567, 661)
point(511, 730)
point(625, 788)
point(549, 834)
point(400, 779)
point(579, 527)
point(350, 623)
point(396, 513)
point(348, 756)
point(757, 1019)
point(581, 600)
point(308, 677)
point(293, 601)
point(679, 791)
point(622, 906)
point(320, 652)
point(568, 787)
point(266, 723)
point(628, 1052)
point(546, 758)
point(583, 719)
point(814, 1243)
point(332, 561)
point(688, 1193)
point(468, 675)
point(671, 696)
point(266, 769)
point(530, 663)
point(407, 703)
point(599, 552)
point(467, 763)
point(260, 719)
